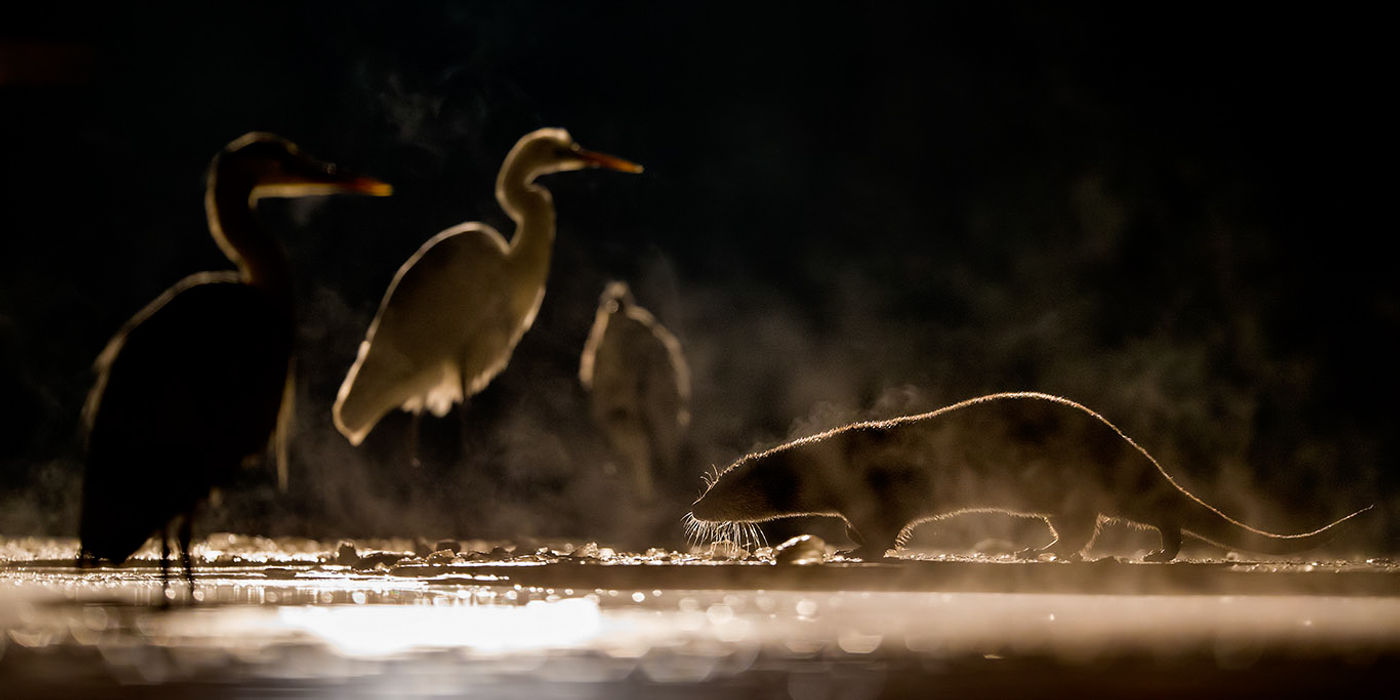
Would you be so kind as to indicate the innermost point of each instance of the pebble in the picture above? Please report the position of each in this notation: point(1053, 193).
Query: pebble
point(586, 551)
point(374, 560)
point(801, 550)
point(345, 554)
point(442, 556)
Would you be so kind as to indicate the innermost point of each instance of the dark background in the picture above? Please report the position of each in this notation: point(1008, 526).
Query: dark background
point(1173, 215)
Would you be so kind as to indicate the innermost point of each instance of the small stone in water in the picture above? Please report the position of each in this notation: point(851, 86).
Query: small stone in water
point(377, 559)
point(586, 551)
point(345, 554)
point(801, 550)
point(442, 556)
point(453, 545)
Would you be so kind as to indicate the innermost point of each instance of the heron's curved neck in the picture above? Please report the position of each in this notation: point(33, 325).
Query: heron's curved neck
point(532, 209)
point(228, 202)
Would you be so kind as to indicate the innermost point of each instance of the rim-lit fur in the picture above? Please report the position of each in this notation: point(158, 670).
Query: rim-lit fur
point(1021, 453)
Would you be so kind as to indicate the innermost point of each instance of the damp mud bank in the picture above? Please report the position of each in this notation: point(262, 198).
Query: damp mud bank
point(558, 619)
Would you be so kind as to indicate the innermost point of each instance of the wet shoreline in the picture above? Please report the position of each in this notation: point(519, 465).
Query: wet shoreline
point(545, 623)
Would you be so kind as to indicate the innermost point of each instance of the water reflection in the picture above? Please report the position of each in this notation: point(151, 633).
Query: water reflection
point(375, 631)
point(368, 617)
point(290, 623)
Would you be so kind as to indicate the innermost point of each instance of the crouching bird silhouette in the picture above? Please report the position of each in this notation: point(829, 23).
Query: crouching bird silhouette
point(456, 309)
point(639, 387)
point(198, 382)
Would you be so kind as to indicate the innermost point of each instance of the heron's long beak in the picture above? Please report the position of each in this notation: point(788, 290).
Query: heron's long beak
point(603, 160)
point(368, 185)
point(319, 178)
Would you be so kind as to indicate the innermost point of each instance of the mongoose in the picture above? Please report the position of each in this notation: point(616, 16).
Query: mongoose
point(1023, 453)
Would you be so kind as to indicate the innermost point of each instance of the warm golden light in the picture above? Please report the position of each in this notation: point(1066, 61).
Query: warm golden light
point(376, 631)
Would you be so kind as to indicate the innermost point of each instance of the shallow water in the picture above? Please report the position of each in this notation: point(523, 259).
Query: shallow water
point(286, 616)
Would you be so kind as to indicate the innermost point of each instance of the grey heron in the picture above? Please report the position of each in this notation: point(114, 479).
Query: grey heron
point(197, 382)
point(638, 384)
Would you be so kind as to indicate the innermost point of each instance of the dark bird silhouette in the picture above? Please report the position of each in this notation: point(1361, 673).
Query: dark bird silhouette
point(456, 309)
point(198, 382)
point(638, 384)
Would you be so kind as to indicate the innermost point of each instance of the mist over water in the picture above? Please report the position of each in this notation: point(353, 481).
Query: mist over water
point(842, 218)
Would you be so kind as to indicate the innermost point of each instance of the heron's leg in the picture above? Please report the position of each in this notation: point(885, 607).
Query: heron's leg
point(635, 449)
point(165, 565)
point(185, 536)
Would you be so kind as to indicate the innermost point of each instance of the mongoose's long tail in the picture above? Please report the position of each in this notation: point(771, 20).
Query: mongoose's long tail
point(1206, 523)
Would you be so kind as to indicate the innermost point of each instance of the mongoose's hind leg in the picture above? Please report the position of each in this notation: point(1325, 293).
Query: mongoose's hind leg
point(1171, 542)
point(1073, 533)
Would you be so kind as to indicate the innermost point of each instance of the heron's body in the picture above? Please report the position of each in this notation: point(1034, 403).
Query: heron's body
point(195, 384)
point(166, 425)
point(1021, 453)
point(456, 309)
point(639, 386)
point(447, 336)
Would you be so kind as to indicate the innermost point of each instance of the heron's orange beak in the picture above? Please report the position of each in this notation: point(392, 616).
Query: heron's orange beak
point(603, 160)
point(322, 179)
point(369, 186)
